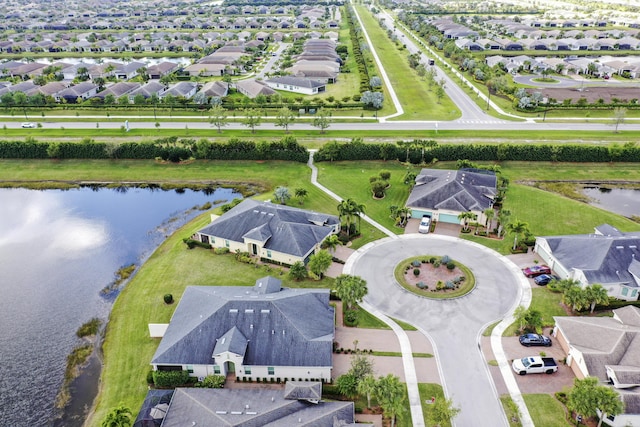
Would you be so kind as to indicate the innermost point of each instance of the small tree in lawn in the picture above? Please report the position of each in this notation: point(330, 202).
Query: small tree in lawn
point(533, 319)
point(282, 195)
point(347, 385)
point(442, 411)
point(321, 120)
point(465, 217)
point(520, 316)
point(298, 271)
point(319, 263)
point(390, 395)
point(300, 194)
point(619, 114)
point(350, 289)
point(596, 294)
point(285, 118)
point(252, 118)
point(587, 397)
point(218, 117)
point(367, 386)
point(119, 416)
point(518, 228)
point(575, 298)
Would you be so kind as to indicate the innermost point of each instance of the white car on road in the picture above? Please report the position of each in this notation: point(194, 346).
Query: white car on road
point(29, 125)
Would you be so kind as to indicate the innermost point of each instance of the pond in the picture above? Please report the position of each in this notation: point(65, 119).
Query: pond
point(58, 250)
point(623, 201)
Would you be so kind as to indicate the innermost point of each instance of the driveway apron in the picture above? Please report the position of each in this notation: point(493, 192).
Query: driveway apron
point(453, 325)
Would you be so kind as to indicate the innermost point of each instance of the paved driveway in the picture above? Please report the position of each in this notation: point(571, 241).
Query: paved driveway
point(454, 325)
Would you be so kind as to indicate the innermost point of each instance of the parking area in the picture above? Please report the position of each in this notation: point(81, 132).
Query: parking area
point(441, 228)
point(532, 383)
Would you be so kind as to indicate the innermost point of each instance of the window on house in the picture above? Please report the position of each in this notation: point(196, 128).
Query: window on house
point(190, 369)
point(247, 370)
point(271, 370)
point(268, 254)
point(213, 240)
point(625, 291)
point(226, 243)
point(634, 292)
point(216, 369)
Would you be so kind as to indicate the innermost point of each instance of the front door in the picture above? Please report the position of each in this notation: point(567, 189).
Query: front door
point(254, 249)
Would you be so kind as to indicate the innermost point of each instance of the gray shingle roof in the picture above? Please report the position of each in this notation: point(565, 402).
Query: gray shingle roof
point(459, 190)
point(296, 81)
point(604, 258)
point(303, 390)
point(608, 343)
point(283, 229)
point(251, 408)
point(284, 327)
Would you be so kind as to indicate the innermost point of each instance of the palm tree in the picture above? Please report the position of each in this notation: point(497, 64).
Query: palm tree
point(488, 214)
point(575, 297)
point(331, 243)
point(367, 386)
point(353, 209)
point(517, 228)
point(118, 417)
point(503, 219)
point(465, 217)
point(301, 194)
point(344, 213)
point(596, 294)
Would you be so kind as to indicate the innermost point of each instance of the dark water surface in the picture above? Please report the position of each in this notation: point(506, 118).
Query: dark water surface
point(58, 249)
point(623, 201)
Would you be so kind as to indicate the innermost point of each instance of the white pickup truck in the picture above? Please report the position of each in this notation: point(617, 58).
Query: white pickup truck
point(534, 365)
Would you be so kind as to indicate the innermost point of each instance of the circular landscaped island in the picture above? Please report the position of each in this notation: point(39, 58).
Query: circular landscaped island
point(437, 277)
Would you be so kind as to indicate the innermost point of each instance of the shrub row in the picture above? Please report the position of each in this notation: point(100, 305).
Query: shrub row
point(171, 149)
point(356, 39)
point(170, 379)
point(480, 152)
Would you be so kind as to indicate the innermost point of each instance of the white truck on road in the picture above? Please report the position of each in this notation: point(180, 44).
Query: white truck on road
point(534, 365)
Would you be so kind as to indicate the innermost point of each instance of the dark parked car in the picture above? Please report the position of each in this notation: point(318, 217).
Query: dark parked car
point(545, 279)
point(536, 270)
point(528, 340)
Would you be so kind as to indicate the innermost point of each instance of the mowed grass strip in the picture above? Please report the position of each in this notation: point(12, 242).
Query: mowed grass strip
point(546, 411)
point(418, 101)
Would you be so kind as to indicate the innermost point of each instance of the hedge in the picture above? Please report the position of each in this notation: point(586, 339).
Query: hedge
point(172, 149)
point(479, 152)
point(170, 379)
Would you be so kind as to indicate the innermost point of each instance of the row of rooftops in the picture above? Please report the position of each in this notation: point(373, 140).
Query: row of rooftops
point(139, 14)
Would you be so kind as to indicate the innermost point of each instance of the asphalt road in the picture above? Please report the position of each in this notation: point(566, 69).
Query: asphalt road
point(453, 325)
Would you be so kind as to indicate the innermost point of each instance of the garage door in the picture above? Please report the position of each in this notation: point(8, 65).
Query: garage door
point(448, 218)
point(418, 213)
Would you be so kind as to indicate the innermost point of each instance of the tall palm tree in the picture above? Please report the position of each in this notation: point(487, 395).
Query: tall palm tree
point(331, 243)
point(503, 220)
point(517, 228)
point(356, 210)
point(465, 217)
point(344, 213)
point(488, 214)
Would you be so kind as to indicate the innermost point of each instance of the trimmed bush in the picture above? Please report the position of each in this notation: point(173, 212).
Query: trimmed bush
point(451, 265)
point(416, 271)
point(213, 381)
point(445, 259)
point(170, 379)
point(168, 299)
point(220, 251)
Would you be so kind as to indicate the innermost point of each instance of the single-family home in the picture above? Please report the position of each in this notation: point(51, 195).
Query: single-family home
point(607, 348)
point(148, 90)
point(215, 89)
point(156, 71)
point(300, 404)
point(80, 92)
point(445, 194)
point(181, 89)
point(296, 84)
point(252, 88)
point(254, 332)
point(608, 257)
point(273, 232)
point(128, 70)
point(118, 89)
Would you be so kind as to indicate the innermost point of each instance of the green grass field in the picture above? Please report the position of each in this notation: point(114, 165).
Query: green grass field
point(548, 303)
point(418, 101)
point(546, 411)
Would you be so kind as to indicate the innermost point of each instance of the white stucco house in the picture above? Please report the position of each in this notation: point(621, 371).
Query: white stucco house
point(296, 84)
point(263, 332)
point(608, 257)
point(275, 233)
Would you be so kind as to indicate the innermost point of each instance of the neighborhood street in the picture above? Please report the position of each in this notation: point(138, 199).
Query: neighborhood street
point(453, 325)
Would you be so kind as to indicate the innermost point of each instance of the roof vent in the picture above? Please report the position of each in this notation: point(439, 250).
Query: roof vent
point(259, 284)
point(236, 412)
point(221, 412)
point(233, 310)
point(248, 310)
point(222, 340)
point(273, 332)
point(265, 311)
point(273, 398)
point(251, 326)
point(619, 247)
point(251, 413)
point(246, 406)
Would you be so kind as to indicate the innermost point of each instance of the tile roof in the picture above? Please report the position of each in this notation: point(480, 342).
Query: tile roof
point(283, 327)
point(460, 190)
point(282, 228)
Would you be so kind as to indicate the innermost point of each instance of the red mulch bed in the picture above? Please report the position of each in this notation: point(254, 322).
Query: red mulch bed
point(430, 276)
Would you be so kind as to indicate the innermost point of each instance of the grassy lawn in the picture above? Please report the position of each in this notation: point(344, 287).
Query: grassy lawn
point(427, 391)
point(351, 180)
point(546, 411)
point(547, 303)
point(418, 101)
point(127, 346)
point(510, 411)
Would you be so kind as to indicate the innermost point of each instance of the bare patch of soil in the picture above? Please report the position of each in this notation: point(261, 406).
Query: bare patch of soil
point(592, 94)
